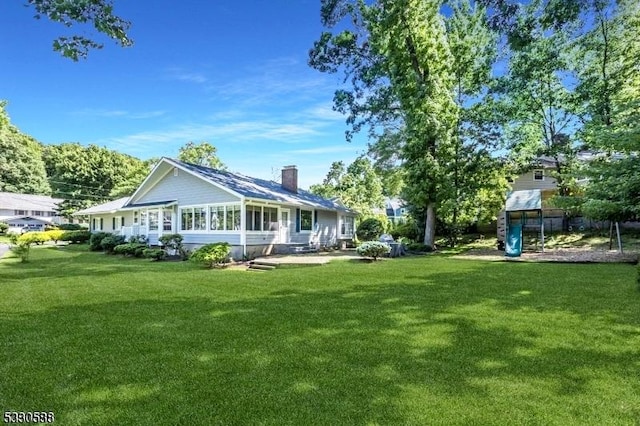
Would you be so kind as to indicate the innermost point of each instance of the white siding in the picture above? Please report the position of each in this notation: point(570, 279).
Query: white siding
point(201, 239)
point(259, 238)
point(186, 189)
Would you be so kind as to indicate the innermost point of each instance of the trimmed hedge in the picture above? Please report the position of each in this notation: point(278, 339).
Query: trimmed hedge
point(76, 237)
point(130, 249)
point(370, 229)
point(110, 242)
point(212, 255)
point(154, 254)
point(96, 240)
point(33, 238)
point(374, 249)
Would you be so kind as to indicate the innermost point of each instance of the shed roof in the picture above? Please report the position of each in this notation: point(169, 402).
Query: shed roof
point(525, 200)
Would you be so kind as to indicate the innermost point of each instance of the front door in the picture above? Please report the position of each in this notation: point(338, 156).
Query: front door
point(285, 222)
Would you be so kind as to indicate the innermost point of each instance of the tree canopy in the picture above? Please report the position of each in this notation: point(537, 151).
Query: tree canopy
point(99, 13)
point(201, 154)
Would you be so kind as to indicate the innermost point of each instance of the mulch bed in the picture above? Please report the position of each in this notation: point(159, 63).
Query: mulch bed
point(559, 255)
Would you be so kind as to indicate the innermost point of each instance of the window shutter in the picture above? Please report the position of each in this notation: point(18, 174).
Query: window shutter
point(297, 220)
point(122, 221)
point(315, 217)
point(113, 223)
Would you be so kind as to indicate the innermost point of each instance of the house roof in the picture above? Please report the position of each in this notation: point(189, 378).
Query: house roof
point(525, 200)
point(12, 201)
point(261, 189)
point(108, 207)
point(27, 218)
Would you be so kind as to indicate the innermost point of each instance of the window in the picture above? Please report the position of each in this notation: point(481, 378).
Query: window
point(229, 218)
point(253, 218)
point(37, 213)
point(270, 219)
point(166, 221)
point(153, 220)
point(187, 220)
point(199, 219)
point(217, 218)
point(135, 217)
point(236, 218)
point(143, 218)
point(346, 225)
point(538, 175)
point(20, 212)
point(306, 220)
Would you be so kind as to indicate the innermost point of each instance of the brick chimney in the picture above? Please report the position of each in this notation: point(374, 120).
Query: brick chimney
point(290, 178)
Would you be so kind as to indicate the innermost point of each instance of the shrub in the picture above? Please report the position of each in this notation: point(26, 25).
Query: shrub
point(211, 255)
point(370, 229)
point(373, 249)
point(110, 242)
point(130, 249)
point(13, 238)
point(138, 239)
point(76, 237)
point(172, 242)
point(3, 227)
point(33, 238)
point(55, 235)
point(71, 227)
point(96, 239)
point(408, 230)
point(22, 250)
point(154, 254)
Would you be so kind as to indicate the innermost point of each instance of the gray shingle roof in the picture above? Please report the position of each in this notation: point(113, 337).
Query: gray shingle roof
point(104, 208)
point(262, 189)
point(11, 201)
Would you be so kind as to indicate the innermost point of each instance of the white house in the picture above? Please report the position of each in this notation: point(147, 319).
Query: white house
point(206, 205)
point(27, 211)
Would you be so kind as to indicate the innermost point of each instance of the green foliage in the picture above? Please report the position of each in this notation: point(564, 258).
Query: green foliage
point(96, 12)
point(408, 230)
point(21, 167)
point(131, 249)
point(154, 254)
point(171, 242)
point(22, 250)
point(87, 175)
point(55, 235)
point(33, 238)
point(140, 239)
point(419, 247)
point(3, 228)
point(211, 255)
point(202, 154)
point(374, 249)
point(357, 186)
point(110, 242)
point(71, 227)
point(370, 229)
point(96, 240)
point(77, 237)
point(13, 238)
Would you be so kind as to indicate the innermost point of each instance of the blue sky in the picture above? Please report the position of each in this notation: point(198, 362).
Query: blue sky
point(232, 73)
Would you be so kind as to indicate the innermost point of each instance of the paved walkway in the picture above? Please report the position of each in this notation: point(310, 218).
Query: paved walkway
point(4, 248)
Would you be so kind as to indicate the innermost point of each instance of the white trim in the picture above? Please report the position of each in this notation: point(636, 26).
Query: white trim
point(207, 208)
point(307, 231)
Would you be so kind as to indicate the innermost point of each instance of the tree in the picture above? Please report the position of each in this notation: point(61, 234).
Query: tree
point(358, 186)
point(609, 90)
point(21, 167)
point(98, 12)
point(84, 176)
point(135, 173)
point(202, 154)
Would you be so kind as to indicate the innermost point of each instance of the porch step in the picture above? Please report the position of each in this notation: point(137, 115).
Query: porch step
point(261, 265)
point(303, 249)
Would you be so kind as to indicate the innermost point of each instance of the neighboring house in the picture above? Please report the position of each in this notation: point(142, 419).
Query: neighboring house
point(28, 212)
point(396, 210)
point(205, 206)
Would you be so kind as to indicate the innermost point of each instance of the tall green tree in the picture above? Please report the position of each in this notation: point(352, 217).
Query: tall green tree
point(99, 13)
point(609, 91)
point(201, 154)
point(21, 167)
point(135, 172)
point(358, 186)
point(86, 175)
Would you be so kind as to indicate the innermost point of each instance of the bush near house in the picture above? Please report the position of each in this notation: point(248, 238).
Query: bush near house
point(374, 249)
point(212, 255)
point(96, 239)
point(370, 229)
point(76, 237)
point(130, 249)
point(3, 228)
point(110, 242)
point(71, 227)
point(154, 254)
point(172, 243)
point(33, 238)
point(55, 235)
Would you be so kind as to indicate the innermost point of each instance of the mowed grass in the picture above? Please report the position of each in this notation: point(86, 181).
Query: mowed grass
point(421, 340)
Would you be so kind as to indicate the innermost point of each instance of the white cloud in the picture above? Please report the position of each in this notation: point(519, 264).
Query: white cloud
point(181, 74)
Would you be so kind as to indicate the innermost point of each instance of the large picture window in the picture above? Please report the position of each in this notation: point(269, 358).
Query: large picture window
point(217, 218)
point(187, 220)
point(199, 219)
point(306, 220)
point(270, 219)
point(259, 218)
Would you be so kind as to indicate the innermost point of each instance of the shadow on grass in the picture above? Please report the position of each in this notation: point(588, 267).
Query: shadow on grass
point(389, 353)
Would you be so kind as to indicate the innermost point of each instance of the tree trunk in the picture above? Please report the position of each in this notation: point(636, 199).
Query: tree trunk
point(430, 226)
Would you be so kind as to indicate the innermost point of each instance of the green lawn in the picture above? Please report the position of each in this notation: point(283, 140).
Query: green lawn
point(422, 340)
